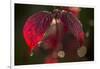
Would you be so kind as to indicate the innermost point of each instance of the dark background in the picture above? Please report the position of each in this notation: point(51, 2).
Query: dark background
point(23, 11)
